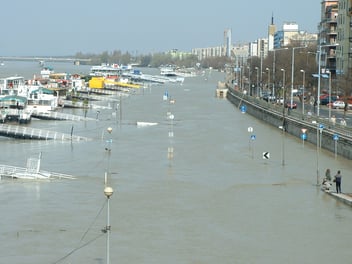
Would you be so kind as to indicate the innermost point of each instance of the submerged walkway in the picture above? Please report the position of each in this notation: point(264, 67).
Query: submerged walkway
point(343, 197)
point(35, 133)
point(59, 116)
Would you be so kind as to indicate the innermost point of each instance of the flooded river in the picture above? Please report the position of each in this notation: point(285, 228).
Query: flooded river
point(214, 199)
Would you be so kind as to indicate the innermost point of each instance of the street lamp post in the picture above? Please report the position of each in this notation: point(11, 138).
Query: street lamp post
point(319, 75)
point(303, 83)
point(257, 88)
point(249, 80)
point(293, 70)
point(108, 191)
point(268, 70)
point(283, 117)
point(274, 70)
point(330, 96)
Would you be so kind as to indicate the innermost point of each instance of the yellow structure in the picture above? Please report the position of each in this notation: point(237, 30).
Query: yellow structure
point(101, 82)
point(96, 83)
point(121, 84)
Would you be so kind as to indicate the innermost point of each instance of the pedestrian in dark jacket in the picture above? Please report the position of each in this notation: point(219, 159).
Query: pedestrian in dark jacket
point(337, 180)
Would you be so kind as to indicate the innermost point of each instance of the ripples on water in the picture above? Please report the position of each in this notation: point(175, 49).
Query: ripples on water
point(216, 201)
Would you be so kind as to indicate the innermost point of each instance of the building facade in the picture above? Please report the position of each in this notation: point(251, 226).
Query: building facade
point(344, 38)
point(327, 36)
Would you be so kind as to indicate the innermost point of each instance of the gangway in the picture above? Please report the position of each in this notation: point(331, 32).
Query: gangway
point(14, 131)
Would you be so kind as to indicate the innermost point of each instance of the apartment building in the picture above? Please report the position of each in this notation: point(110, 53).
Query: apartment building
point(344, 37)
point(327, 36)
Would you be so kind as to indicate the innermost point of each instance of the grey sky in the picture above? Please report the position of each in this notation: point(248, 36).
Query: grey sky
point(65, 27)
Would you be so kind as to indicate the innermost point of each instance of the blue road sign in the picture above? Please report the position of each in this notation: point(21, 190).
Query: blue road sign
point(243, 108)
point(335, 137)
point(303, 136)
point(252, 137)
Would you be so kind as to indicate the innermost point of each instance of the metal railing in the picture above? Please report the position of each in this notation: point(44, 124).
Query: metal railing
point(34, 133)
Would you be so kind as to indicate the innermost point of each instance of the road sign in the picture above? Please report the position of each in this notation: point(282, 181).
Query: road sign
point(250, 129)
point(243, 108)
point(266, 155)
point(335, 137)
point(304, 130)
point(303, 136)
point(252, 137)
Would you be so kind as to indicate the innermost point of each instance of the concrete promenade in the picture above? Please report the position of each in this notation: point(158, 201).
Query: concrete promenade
point(318, 131)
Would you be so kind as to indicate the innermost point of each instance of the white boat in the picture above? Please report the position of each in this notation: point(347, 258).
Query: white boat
point(30, 172)
point(42, 100)
point(105, 70)
point(46, 71)
point(144, 124)
point(11, 85)
point(168, 71)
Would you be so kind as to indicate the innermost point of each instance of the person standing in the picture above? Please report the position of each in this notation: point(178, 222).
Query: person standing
point(328, 175)
point(337, 180)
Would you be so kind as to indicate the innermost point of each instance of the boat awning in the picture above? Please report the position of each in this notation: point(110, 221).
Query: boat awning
point(11, 98)
point(43, 91)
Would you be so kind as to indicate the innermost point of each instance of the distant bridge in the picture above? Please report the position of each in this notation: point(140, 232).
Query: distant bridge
point(30, 58)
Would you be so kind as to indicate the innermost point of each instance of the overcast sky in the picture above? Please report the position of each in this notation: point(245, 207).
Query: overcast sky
point(65, 27)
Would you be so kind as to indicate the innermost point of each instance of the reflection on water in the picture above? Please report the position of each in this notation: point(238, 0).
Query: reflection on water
point(215, 201)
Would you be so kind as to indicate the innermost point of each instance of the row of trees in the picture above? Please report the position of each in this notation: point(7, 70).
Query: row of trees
point(305, 66)
point(272, 66)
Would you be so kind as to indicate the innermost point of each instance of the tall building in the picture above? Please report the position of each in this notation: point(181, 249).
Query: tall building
point(227, 42)
point(327, 35)
point(283, 37)
point(271, 34)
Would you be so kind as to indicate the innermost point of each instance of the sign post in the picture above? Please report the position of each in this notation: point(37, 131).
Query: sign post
point(243, 109)
point(321, 128)
point(252, 139)
point(336, 138)
point(303, 135)
point(250, 130)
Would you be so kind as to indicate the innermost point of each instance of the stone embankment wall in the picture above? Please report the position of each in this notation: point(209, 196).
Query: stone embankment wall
point(294, 122)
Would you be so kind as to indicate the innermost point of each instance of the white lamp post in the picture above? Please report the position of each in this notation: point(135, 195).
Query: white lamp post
point(303, 83)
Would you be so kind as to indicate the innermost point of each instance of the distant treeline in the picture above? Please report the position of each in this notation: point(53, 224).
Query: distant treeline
point(153, 60)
